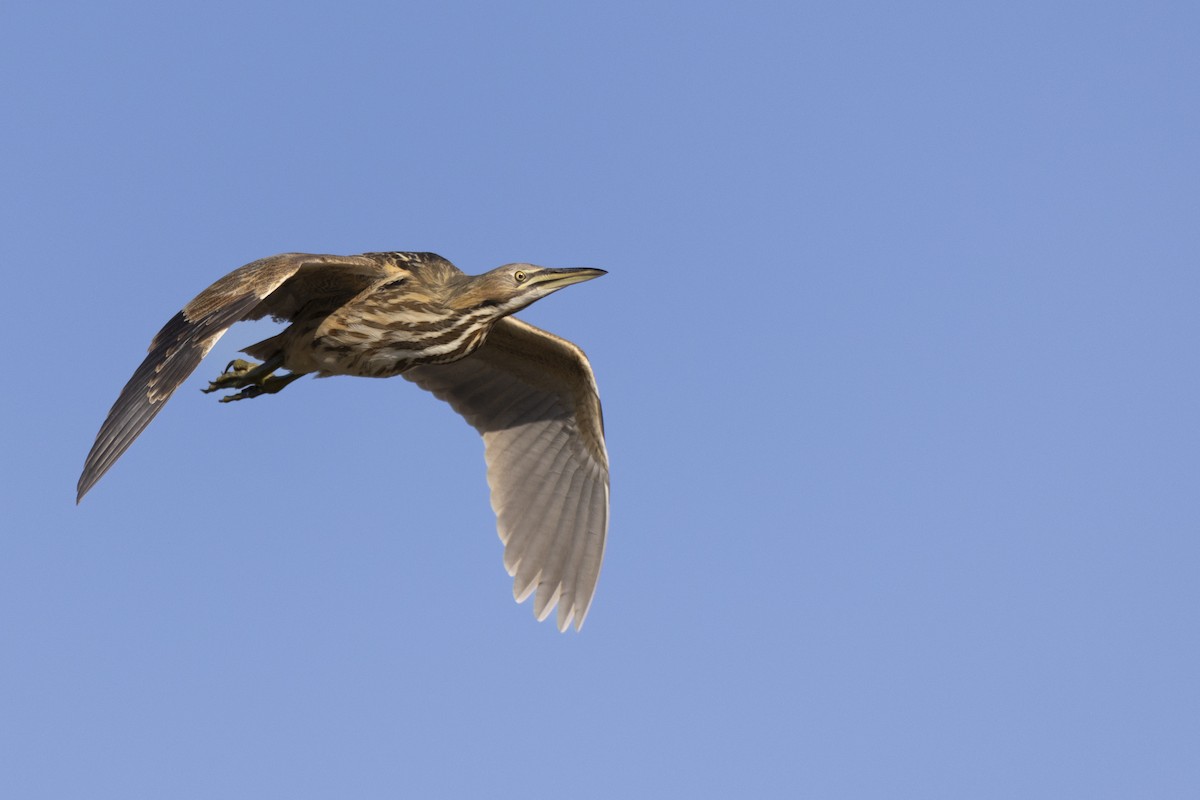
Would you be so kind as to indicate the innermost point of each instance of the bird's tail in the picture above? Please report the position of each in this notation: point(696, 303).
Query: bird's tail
point(266, 348)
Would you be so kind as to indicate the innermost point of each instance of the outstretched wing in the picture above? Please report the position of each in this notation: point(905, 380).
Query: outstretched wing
point(533, 397)
point(245, 293)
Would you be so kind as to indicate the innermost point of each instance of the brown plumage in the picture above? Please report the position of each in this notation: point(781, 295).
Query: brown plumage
point(529, 393)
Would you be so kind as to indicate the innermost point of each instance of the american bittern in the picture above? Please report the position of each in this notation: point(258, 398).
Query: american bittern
point(529, 393)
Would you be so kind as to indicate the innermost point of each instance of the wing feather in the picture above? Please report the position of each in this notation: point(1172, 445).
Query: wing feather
point(539, 532)
point(533, 398)
point(578, 583)
point(529, 447)
point(552, 577)
point(183, 342)
point(520, 510)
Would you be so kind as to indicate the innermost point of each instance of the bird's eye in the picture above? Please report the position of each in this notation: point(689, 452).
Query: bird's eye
point(519, 276)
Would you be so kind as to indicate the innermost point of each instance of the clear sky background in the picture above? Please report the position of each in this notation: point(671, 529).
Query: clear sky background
point(897, 350)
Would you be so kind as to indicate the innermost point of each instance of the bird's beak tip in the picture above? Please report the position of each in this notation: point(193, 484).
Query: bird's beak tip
point(557, 278)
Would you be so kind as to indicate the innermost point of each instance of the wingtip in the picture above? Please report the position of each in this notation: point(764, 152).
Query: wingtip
point(568, 623)
point(86, 481)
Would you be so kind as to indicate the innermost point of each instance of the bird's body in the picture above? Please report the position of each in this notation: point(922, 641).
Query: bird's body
point(530, 394)
point(422, 310)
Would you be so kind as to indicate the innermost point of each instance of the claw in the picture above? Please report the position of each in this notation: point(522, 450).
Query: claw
point(235, 376)
point(249, 391)
point(253, 379)
point(239, 366)
point(268, 385)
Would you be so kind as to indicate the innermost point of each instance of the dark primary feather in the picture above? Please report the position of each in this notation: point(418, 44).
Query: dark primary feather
point(184, 341)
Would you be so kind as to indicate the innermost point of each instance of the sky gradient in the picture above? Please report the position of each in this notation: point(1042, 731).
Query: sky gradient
point(897, 351)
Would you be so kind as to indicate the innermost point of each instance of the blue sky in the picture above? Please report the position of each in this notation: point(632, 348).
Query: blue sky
point(897, 352)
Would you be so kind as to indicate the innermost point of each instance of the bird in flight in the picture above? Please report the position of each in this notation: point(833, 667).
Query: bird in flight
point(531, 394)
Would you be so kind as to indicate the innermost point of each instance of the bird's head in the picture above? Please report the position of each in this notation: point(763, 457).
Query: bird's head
point(514, 286)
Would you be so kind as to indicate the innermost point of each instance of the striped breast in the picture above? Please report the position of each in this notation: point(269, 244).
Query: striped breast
point(380, 337)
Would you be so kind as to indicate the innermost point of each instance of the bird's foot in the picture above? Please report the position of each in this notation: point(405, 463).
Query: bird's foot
point(253, 379)
point(234, 375)
point(268, 385)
